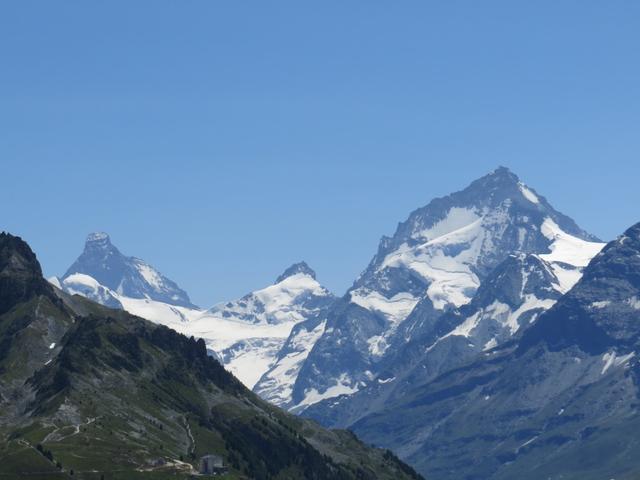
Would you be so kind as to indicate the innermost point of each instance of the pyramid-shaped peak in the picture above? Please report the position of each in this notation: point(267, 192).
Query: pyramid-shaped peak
point(501, 177)
point(503, 172)
point(496, 190)
point(99, 243)
point(296, 268)
point(98, 238)
point(129, 276)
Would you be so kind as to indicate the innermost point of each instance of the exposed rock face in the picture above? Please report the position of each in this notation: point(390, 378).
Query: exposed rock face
point(436, 263)
point(127, 276)
point(20, 273)
point(544, 404)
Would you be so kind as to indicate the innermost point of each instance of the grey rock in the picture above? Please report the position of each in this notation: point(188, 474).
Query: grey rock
point(127, 276)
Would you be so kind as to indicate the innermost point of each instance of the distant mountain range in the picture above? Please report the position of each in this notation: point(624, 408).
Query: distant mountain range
point(461, 284)
point(90, 392)
point(246, 334)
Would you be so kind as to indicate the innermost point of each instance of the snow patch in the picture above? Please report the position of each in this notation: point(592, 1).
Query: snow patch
point(528, 194)
point(611, 359)
point(633, 302)
point(566, 275)
point(394, 309)
point(566, 248)
point(377, 345)
point(386, 380)
point(81, 279)
point(341, 387)
point(490, 344)
point(466, 327)
point(569, 255)
point(531, 302)
point(455, 219)
point(150, 274)
point(87, 286)
point(528, 442)
point(504, 315)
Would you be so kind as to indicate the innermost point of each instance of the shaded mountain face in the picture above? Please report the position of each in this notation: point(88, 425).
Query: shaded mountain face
point(127, 276)
point(89, 391)
point(20, 274)
point(559, 401)
point(434, 264)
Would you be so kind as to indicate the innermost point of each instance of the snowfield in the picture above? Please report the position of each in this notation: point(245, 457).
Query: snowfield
point(246, 334)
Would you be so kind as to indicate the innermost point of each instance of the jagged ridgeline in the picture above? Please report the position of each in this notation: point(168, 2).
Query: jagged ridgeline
point(559, 401)
point(90, 392)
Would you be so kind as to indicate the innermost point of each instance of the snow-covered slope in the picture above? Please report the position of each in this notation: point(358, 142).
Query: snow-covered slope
point(87, 286)
point(276, 385)
point(156, 311)
point(436, 262)
point(249, 333)
point(246, 334)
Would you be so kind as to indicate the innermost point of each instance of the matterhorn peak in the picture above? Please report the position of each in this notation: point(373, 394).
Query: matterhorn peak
point(97, 241)
point(129, 277)
point(98, 237)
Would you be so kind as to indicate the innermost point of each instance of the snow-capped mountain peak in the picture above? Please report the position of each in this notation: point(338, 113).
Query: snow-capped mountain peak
point(435, 262)
point(449, 245)
point(285, 301)
point(249, 333)
point(296, 268)
point(127, 276)
point(98, 240)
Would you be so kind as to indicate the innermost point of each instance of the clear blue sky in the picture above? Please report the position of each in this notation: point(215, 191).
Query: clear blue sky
point(222, 141)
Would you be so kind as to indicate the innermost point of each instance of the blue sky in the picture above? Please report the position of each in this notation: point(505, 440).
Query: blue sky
point(223, 141)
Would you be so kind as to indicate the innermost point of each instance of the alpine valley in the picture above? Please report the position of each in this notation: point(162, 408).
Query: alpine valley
point(489, 337)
